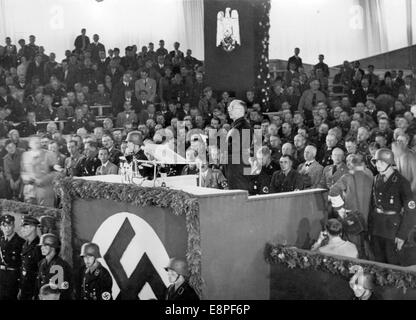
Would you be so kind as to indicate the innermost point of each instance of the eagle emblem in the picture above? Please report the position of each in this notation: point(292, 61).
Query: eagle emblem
point(228, 29)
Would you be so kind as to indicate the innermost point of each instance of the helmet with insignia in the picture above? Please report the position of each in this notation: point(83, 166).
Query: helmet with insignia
point(90, 249)
point(385, 155)
point(51, 240)
point(29, 220)
point(7, 219)
point(178, 265)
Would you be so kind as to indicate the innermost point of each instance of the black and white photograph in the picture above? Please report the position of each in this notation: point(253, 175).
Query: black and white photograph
point(210, 154)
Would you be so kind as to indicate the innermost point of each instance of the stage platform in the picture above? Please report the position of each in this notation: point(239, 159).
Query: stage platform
point(234, 229)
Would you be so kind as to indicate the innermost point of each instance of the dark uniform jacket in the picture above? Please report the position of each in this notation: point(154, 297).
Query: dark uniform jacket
point(31, 256)
point(72, 165)
point(393, 195)
point(260, 183)
point(282, 183)
point(11, 250)
point(46, 273)
point(10, 262)
point(88, 166)
point(184, 293)
point(147, 170)
point(96, 284)
point(114, 156)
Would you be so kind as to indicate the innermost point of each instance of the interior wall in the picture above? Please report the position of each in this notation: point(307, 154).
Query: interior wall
point(56, 23)
point(342, 29)
point(234, 231)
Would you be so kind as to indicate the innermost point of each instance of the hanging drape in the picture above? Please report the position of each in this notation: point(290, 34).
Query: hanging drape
point(341, 29)
point(119, 23)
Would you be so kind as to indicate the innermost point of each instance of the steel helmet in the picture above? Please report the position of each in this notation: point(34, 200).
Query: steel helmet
point(48, 222)
point(385, 155)
point(178, 265)
point(49, 239)
point(90, 249)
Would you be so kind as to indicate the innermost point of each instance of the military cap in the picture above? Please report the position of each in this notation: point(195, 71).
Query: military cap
point(29, 220)
point(7, 218)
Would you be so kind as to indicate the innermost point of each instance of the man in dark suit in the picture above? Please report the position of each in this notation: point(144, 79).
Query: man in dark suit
point(161, 51)
point(237, 171)
point(176, 52)
point(142, 102)
point(321, 65)
point(95, 48)
point(113, 153)
point(36, 68)
point(360, 95)
point(5, 99)
point(296, 60)
point(118, 94)
point(82, 41)
point(287, 179)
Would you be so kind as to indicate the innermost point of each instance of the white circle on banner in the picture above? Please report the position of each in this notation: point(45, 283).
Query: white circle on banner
point(145, 240)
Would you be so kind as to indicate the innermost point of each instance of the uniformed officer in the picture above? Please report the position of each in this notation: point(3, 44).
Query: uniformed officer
point(89, 165)
point(96, 281)
point(394, 209)
point(31, 256)
point(180, 289)
point(10, 260)
point(52, 268)
point(261, 179)
point(287, 179)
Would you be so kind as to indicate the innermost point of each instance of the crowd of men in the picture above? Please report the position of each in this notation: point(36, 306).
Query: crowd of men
point(354, 137)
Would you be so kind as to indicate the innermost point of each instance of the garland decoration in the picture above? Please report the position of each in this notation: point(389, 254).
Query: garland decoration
point(32, 209)
point(292, 257)
point(262, 83)
point(179, 201)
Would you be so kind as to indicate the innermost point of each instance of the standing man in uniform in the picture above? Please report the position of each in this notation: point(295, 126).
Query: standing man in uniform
point(53, 268)
point(10, 261)
point(31, 256)
point(38, 173)
point(394, 209)
point(180, 289)
point(352, 193)
point(238, 147)
point(96, 280)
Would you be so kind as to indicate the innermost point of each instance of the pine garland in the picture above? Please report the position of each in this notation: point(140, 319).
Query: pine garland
point(35, 210)
point(262, 83)
point(180, 202)
point(297, 258)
